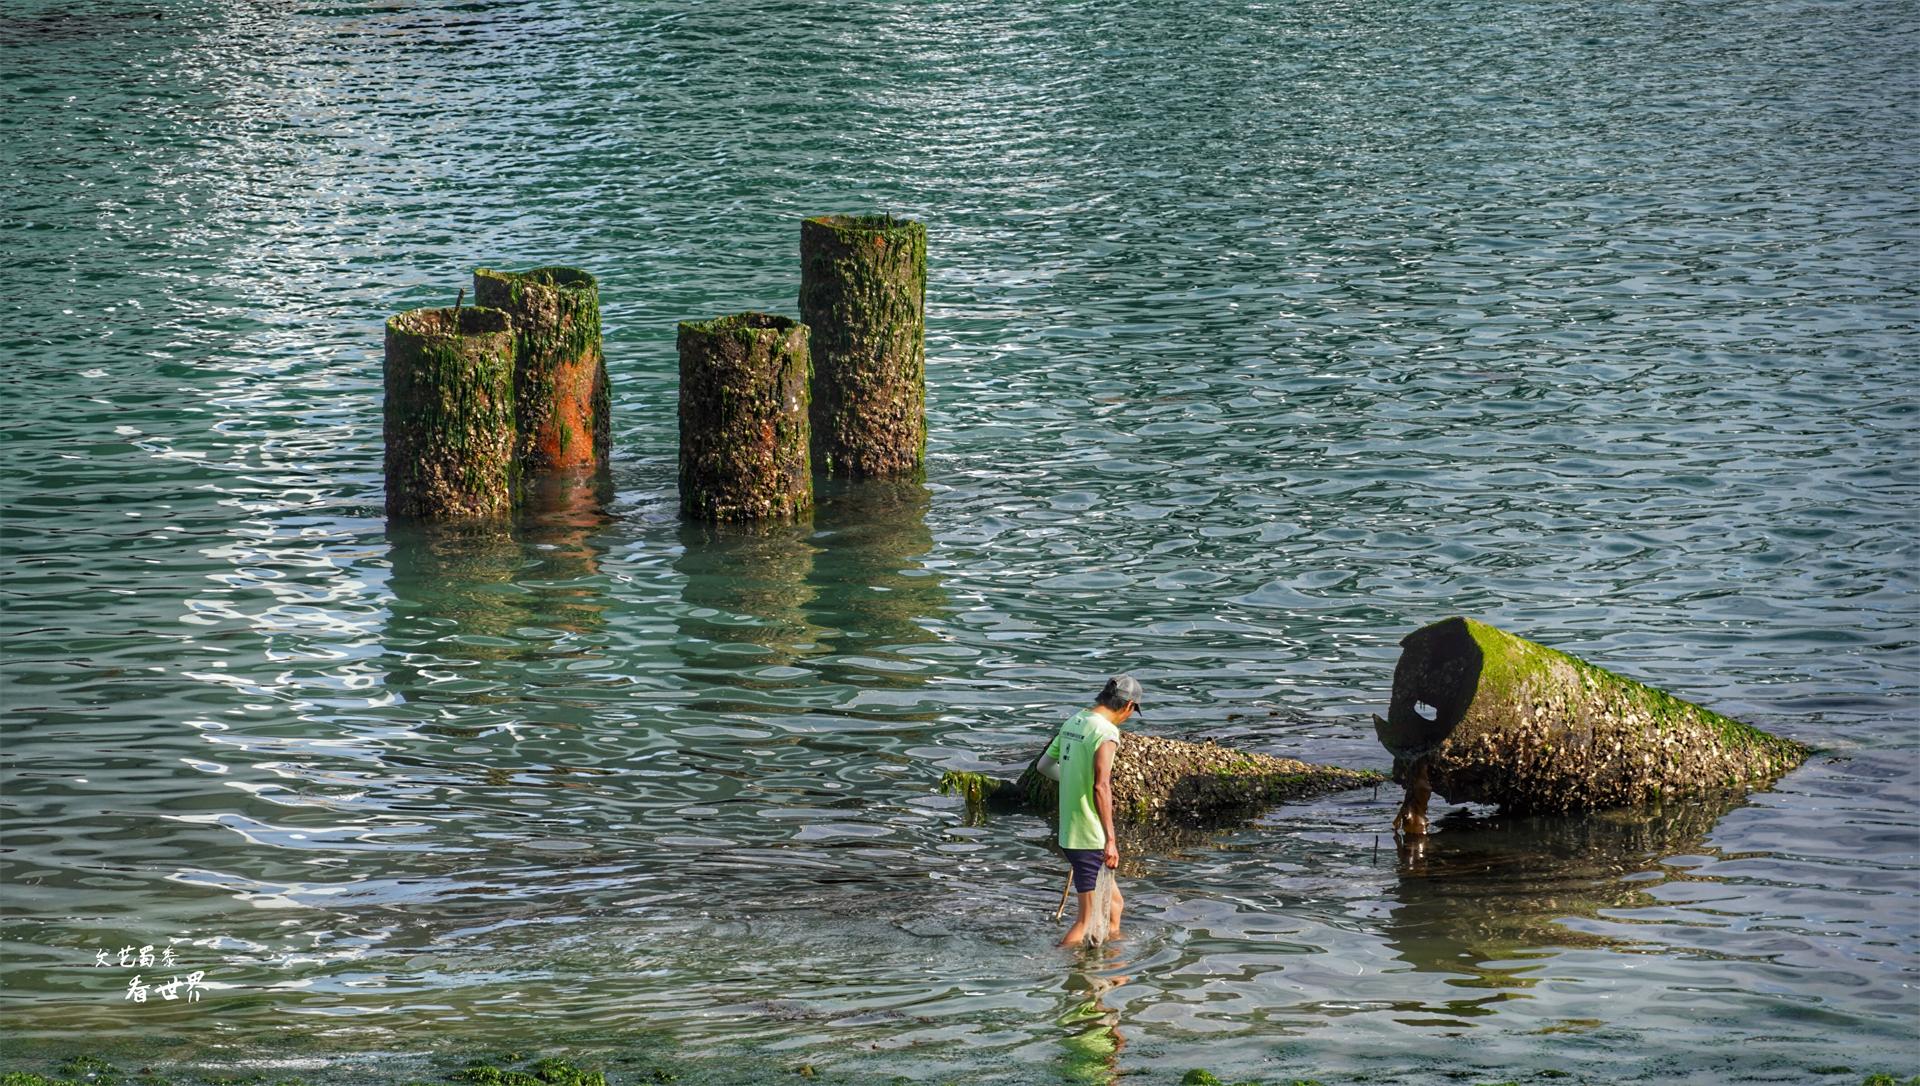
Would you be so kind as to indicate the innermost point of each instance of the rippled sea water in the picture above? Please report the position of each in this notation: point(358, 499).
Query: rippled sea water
point(1258, 335)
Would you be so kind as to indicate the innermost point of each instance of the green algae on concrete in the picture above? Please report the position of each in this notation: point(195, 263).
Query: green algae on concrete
point(448, 418)
point(563, 401)
point(1480, 715)
point(744, 430)
point(550, 1071)
point(863, 291)
point(1173, 781)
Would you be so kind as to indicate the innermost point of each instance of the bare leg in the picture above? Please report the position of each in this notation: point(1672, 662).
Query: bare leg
point(1077, 934)
point(1113, 921)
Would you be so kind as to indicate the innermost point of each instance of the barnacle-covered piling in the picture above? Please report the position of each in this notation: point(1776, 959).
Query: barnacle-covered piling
point(743, 418)
point(448, 414)
point(863, 292)
point(1480, 715)
point(1156, 779)
point(563, 401)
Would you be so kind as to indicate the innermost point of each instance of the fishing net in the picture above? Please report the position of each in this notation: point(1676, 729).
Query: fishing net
point(1098, 923)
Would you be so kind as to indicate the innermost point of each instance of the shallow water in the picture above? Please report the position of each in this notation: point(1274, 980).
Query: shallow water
point(1257, 337)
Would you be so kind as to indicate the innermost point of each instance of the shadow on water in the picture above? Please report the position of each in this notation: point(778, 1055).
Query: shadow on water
point(871, 593)
point(1482, 894)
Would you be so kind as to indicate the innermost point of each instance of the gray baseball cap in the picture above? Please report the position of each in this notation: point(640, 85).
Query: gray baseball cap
point(1124, 688)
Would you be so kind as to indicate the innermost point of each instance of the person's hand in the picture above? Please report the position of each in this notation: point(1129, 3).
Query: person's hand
point(1113, 854)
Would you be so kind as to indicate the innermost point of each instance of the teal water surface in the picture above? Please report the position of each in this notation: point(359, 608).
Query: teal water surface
point(1258, 335)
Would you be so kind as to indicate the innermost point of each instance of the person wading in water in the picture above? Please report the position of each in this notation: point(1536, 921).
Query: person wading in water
point(1081, 759)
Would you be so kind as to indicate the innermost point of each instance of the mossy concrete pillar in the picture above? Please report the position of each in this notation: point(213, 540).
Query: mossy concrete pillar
point(743, 418)
point(448, 415)
point(560, 379)
point(863, 292)
point(1482, 716)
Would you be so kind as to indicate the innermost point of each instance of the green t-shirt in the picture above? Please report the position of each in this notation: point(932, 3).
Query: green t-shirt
point(1074, 748)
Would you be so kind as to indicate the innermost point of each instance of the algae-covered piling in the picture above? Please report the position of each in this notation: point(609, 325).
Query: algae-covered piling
point(1480, 715)
point(863, 292)
point(1156, 779)
point(743, 418)
point(562, 406)
point(448, 416)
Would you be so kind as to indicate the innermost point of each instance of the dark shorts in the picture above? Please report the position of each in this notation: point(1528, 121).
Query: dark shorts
point(1087, 863)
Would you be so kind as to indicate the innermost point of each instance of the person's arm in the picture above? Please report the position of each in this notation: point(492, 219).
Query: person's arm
point(1103, 796)
point(1049, 764)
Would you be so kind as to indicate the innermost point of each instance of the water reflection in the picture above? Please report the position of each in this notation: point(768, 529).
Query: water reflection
point(1659, 420)
point(870, 589)
point(452, 586)
point(561, 516)
point(1093, 1041)
point(744, 602)
point(471, 599)
point(1481, 894)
